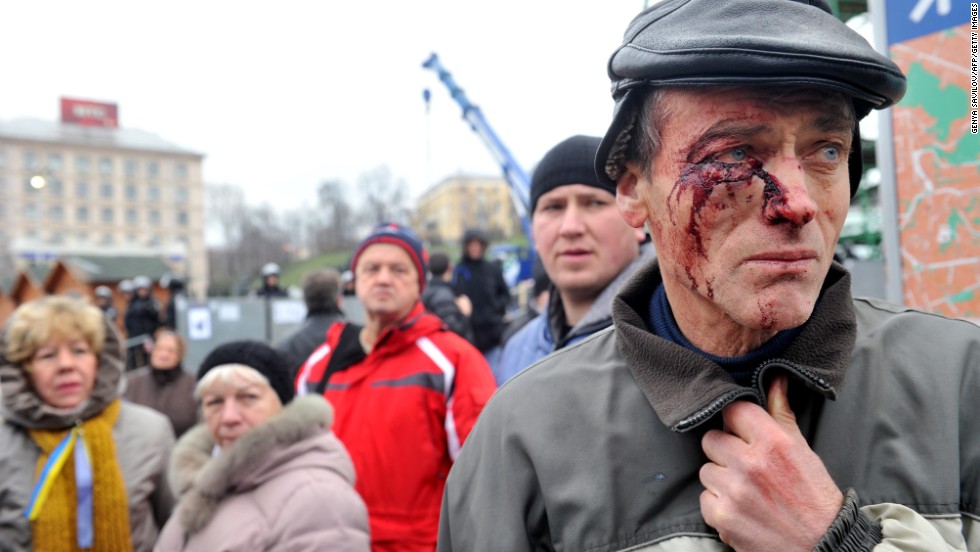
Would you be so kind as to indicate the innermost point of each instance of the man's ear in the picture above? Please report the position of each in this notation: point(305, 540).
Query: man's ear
point(628, 198)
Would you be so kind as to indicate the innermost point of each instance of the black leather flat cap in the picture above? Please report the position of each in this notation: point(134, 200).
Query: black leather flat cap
point(750, 42)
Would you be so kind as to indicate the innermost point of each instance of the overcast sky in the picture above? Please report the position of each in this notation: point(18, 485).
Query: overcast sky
point(280, 96)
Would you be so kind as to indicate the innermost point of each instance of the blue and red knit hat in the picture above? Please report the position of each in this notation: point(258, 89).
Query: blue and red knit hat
point(396, 234)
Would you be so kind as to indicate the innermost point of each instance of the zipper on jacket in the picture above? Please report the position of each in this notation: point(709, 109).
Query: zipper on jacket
point(755, 389)
point(800, 371)
point(707, 412)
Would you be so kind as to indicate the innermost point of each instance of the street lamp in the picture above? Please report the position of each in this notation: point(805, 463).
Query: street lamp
point(38, 181)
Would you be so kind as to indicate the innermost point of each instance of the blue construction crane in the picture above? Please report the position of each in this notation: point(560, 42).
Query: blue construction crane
point(520, 184)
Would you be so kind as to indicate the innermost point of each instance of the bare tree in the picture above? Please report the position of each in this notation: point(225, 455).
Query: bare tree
point(304, 229)
point(243, 238)
point(336, 215)
point(225, 206)
point(247, 237)
point(264, 239)
point(385, 197)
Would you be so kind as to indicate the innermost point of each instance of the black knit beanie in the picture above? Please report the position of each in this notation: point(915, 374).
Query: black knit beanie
point(257, 355)
point(570, 162)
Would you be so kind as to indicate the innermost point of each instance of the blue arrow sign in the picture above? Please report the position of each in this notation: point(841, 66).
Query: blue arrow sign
point(908, 19)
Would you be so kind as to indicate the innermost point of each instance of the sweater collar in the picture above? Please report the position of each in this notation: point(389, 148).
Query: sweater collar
point(686, 389)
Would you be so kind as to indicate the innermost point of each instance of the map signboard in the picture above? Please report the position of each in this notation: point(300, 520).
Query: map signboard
point(935, 152)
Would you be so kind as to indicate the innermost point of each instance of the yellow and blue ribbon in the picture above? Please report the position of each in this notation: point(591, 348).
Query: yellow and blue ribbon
point(83, 484)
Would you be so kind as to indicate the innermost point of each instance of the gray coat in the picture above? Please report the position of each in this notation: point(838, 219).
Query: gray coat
point(287, 484)
point(143, 438)
point(598, 446)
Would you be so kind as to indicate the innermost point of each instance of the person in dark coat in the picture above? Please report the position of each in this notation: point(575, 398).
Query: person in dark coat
point(442, 300)
point(321, 292)
point(176, 287)
point(483, 282)
point(142, 320)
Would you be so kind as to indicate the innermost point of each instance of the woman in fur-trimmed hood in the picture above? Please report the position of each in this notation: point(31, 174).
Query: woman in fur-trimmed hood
point(262, 472)
point(80, 468)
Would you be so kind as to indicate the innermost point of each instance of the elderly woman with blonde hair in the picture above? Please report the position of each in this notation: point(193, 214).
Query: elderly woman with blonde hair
point(81, 469)
point(262, 472)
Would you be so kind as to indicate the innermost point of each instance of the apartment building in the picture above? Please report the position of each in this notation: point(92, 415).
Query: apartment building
point(460, 202)
point(85, 185)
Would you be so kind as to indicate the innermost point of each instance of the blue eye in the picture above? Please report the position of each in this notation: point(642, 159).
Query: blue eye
point(831, 153)
point(735, 155)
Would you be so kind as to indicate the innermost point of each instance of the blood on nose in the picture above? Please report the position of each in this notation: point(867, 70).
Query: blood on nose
point(780, 205)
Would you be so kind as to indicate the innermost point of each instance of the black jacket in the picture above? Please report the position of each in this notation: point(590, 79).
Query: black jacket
point(142, 316)
point(439, 298)
point(483, 282)
point(300, 344)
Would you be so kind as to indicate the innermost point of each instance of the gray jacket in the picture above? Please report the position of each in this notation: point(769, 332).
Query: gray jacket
point(142, 436)
point(598, 446)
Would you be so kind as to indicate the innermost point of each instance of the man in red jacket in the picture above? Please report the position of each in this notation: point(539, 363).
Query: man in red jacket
point(405, 389)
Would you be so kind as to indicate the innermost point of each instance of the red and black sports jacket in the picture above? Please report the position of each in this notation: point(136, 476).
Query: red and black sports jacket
point(402, 411)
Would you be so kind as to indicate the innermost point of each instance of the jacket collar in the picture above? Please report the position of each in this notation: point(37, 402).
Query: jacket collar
point(686, 389)
point(415, 324)
point(599, 314)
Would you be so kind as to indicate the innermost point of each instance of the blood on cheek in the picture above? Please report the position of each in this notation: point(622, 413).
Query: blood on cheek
point(702, 180)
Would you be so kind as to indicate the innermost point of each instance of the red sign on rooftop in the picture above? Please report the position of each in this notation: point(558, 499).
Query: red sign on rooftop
point(89, 113)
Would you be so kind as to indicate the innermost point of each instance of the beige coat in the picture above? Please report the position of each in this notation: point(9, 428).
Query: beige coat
point(287, 484)
point(143, 437)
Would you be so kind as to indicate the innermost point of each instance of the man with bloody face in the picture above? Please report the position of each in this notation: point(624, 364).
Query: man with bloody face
point(742, 400)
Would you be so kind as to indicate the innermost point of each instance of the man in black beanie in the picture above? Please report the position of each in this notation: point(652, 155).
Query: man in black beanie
point(587, 250)
point(743, 398)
